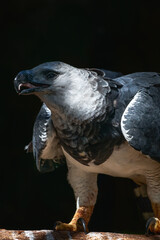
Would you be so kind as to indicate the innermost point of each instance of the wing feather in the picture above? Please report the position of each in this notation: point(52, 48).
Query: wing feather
point(46, 147)
point(140, 122)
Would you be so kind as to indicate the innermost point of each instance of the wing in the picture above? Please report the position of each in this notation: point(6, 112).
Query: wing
point(45, 144)
point(140, 122)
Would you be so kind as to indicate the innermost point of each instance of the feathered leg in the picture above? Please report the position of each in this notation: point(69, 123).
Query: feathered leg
point(85, 189)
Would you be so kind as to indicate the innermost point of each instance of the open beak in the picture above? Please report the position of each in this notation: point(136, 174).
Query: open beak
point(24, 85)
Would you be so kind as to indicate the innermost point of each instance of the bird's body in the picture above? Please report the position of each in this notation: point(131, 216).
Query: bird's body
point(101, 125)
point(124, 162)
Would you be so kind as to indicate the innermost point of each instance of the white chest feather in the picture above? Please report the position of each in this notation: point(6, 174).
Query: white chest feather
point(124, 162)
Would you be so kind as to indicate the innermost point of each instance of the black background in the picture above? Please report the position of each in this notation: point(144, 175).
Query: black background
point(117, 35)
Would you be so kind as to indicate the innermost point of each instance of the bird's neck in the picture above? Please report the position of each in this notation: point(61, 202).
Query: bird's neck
point(76, 112)
point(79, 135)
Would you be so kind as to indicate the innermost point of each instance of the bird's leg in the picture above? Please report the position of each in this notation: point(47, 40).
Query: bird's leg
point(84, 185)
point(153, 190)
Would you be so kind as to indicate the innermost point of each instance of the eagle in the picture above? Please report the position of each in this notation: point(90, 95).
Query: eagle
point(101, 122)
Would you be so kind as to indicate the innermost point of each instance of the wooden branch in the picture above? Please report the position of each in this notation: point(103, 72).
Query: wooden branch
point(53, 235)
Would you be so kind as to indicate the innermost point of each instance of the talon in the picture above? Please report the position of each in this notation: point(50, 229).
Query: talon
point(148, 225)
point(82, 225)
point(153, 226)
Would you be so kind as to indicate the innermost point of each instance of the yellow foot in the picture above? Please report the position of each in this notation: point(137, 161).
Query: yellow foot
point(79, 226)
point(153, 226)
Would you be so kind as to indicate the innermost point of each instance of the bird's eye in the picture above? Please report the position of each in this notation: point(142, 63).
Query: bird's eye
point(51, 75)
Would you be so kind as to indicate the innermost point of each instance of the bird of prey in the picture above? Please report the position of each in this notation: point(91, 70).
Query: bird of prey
point(101, 123)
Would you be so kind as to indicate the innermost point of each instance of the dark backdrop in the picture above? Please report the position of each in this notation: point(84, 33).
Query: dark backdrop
point(116, 35)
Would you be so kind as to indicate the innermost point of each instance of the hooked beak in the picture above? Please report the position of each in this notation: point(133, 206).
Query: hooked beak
point(25, 85)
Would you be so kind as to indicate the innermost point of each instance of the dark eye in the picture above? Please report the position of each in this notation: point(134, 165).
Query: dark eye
point(51, 75)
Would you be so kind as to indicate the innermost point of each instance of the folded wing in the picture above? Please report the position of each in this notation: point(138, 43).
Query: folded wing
point(140, 122)
point(45, 144)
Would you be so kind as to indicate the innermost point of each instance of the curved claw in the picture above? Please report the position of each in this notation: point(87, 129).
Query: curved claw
point(148, 225)
point(81, 222)
point(152, 226)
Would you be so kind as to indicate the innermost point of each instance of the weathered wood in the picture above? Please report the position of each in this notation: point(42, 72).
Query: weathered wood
point(52, 235)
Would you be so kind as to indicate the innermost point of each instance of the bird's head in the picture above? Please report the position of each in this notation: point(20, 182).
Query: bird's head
point(49, 81)
point(59, 84)
point(41, 78)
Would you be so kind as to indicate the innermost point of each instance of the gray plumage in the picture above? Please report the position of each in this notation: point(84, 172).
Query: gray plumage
point(45, 144)
point(140, 121)
point(87, 107)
